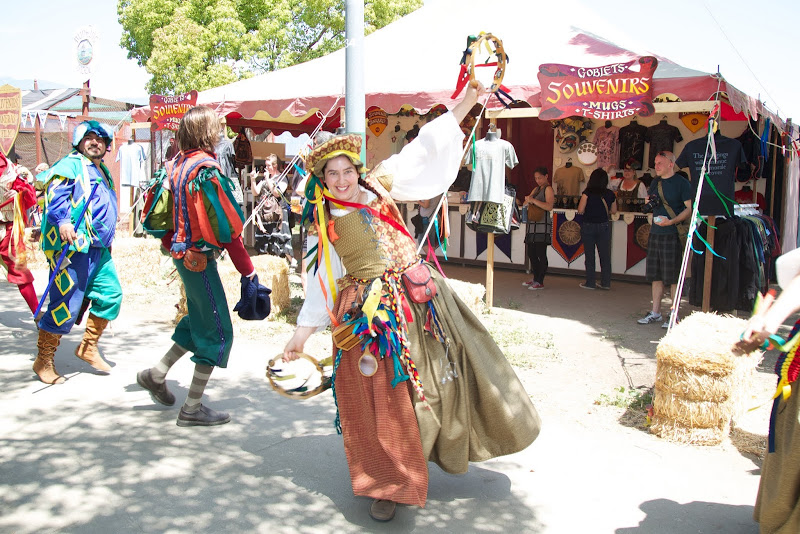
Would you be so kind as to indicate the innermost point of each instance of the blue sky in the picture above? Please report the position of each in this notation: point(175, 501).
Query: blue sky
point(739, 36)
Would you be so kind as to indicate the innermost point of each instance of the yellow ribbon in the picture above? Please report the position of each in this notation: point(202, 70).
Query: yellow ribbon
point(323, 237)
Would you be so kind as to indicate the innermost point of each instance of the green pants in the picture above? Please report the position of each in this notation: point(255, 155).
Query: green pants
point(206, 331)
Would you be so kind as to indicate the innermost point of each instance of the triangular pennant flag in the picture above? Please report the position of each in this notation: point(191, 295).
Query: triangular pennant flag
point(62, 118)
point(23, 119)
point(42, 117)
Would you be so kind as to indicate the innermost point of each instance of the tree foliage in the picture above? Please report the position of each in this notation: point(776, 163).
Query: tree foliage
point(198, 44)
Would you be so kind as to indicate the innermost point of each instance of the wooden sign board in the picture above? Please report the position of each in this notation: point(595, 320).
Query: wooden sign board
point(262, 150)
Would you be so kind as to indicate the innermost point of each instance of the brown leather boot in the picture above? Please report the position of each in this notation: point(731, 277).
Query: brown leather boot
point(87, 349)
point(44, 366)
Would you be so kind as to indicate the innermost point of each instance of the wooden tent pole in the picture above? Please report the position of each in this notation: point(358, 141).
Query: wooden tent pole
point(490, 259)
point(709, 263)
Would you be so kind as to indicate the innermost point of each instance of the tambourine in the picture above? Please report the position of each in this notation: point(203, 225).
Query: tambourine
point(494, 47)
point(299, 379)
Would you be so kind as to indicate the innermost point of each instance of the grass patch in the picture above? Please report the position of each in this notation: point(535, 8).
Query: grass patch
point(521, 346)
point(623, 397)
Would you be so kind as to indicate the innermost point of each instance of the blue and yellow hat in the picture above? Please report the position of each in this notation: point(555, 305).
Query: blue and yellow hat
point(87, 127)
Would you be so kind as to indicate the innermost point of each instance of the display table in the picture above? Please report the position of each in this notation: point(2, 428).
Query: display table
point(628, 243)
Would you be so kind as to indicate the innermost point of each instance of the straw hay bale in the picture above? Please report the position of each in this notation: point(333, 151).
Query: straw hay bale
point(470, 294)
point(673, 431)
point(702, 343)
point(695, 414)
point(701, 385)
point(694, 386)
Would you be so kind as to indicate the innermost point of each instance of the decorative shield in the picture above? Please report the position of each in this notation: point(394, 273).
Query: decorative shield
point(10, 113)
point(377, 119)
point(587, 153)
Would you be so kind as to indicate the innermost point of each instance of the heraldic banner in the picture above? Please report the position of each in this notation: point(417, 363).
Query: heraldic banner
point(638, 235)
point(10, 113)
point(567, 240)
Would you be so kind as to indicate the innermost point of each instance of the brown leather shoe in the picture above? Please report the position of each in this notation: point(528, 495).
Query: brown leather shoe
point(382, 510)
point(159, 392)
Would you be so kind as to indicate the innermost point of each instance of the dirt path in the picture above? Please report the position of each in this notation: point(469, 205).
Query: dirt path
point(594, 468)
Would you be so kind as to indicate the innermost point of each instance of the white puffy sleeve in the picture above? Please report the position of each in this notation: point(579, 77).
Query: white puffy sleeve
point(313, 312)
point(427, 165)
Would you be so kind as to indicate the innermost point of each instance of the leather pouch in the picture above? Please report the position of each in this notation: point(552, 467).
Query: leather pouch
point(419, 283)
point(195, 261)
point(344, 338)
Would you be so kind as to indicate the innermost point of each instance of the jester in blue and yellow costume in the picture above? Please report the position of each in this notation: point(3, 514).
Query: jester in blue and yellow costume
point(426, 382)
point(88, 272)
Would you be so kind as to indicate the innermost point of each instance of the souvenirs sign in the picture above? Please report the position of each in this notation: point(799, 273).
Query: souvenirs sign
point(86, 41)
point(377, 120)
point(10, 113)
point(600, 93)
point(167, 111)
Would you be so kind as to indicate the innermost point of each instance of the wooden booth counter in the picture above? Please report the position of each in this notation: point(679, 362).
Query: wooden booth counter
point(629, 233)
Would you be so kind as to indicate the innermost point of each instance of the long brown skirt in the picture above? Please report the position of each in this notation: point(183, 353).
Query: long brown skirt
point(778, 503)
point(478, 407)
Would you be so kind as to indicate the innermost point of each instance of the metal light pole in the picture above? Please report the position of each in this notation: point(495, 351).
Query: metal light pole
point(355, 110)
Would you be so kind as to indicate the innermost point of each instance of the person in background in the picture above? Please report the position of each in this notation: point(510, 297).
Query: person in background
point(596, 205)
point(90, 273)
point(202, 194)
point(226, 158)
point(275, 237)
point(540, 226)
point(664, 250)
point(777, 507)
point(427, 209)
point(17, 196)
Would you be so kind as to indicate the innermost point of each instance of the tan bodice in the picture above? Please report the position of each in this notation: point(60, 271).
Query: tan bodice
point(368, 245)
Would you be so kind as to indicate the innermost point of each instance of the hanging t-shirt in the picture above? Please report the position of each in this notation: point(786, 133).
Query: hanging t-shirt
point(722, 172)
point(607, 142)
point(631, 143)
point(489, 172)
point(568, 179)
point(661, 137)
point(131, 157)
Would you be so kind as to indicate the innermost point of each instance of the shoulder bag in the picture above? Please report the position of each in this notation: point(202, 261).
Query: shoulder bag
point(682, 227)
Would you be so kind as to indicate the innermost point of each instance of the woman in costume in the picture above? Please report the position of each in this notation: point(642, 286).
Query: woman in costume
point(596, 205)
point(540, 226)
point(206, 218)
point(631, 189)
point(425, 381)
point(17, 196)
point(777, 506)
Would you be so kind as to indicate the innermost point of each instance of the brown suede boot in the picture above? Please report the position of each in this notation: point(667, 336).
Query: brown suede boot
point(44, 366)
point(87, 349)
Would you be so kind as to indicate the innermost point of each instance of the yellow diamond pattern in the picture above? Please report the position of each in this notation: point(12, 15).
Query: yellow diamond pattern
point(61, 314)
point(81, 243)
point(64, 282)
point(52, 235)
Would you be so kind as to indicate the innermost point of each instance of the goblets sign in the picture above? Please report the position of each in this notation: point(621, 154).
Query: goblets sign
point(10, 113)
point(167, 111)
point(600, 93)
